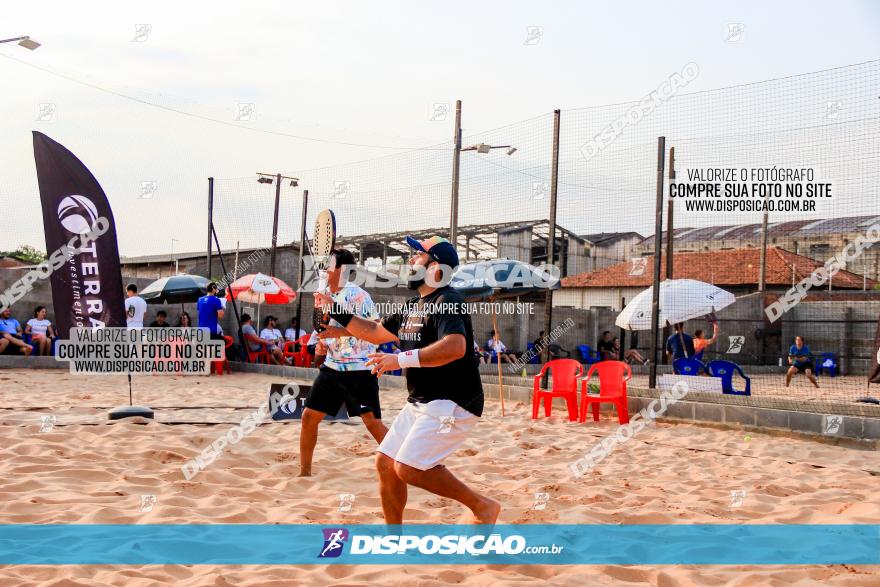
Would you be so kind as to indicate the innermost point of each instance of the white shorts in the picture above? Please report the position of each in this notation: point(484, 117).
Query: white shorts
point(423, 435)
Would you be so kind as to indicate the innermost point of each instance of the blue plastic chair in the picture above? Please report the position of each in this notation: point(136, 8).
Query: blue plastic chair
point(725, 370)
point(588, 355)
point(684, 366)
point(828, 362)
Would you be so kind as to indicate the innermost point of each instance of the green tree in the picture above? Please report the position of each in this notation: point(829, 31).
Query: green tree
point(27, 254)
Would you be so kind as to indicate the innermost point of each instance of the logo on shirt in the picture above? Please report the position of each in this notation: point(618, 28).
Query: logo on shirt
point(334, 540)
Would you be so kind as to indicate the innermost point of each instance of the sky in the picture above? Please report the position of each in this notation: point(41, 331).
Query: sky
point(147, 95)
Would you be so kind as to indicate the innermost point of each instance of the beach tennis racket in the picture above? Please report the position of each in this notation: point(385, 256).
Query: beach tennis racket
point(324, 238)
point(323, 241)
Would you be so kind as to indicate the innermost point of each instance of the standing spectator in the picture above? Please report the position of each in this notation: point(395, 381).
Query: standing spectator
point(161, 320)
point(222, 305)
point(210, 311)
point(184, 321)
point(701, 343)
point(10, 335)
point(500, 349)
point(294, 332)
point(135, 308)
point(606, 347)
point(680, 345)
point(801, 360)
point(41, 331)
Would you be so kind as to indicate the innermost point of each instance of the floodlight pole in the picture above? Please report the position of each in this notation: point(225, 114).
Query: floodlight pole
point(456, 162)
point(210, 223)
point(275, 225)
point(658, 247)
point(302, 246)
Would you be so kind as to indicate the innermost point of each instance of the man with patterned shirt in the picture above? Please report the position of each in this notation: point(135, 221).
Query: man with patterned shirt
point(344, 377)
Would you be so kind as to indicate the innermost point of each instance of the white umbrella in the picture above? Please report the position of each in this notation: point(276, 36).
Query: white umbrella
point(680, 300)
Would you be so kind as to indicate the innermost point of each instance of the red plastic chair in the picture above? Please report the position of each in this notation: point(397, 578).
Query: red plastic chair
point(303, 358)
point(260, 356)
point(613, 376)
point(289, 349)
point(218, 366)
point(565, 373)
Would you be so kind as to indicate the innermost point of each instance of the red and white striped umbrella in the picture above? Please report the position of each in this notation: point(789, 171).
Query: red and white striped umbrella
point(258, 288)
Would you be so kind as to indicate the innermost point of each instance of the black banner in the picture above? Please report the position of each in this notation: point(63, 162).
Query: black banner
point(87, 285)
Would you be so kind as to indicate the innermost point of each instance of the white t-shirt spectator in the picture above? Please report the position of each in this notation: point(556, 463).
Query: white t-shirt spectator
point(490, 344)
point(272, 334)
point(289, 334)
point(38, 327)
point(135, 310)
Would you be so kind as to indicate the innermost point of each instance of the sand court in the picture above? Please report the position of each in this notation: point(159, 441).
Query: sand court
point(80, 468)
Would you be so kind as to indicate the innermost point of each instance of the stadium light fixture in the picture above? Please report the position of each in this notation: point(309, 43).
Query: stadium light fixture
point(25, 41)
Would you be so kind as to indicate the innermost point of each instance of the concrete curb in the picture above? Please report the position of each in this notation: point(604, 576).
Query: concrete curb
point(761, 414)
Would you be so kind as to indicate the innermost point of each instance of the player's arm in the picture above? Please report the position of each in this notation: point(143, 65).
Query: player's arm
point(714, 334)
point(449, 348)
point(366, 330)
point(356, 326)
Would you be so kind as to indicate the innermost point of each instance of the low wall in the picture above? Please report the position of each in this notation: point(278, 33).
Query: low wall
point(700, 408)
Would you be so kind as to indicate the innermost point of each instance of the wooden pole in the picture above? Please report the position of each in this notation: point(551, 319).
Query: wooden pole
point(658, 228)
point(498, 357)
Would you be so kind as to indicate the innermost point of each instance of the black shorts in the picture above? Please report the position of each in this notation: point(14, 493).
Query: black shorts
point(801, 367)
point(359, 390)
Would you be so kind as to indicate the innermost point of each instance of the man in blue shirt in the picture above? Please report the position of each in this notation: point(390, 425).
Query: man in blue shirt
point(210, 311)
point(680, 345)
point(10, 335)
point(800, 360)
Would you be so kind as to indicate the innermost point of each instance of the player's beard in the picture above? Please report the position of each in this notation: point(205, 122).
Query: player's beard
point(415, 284)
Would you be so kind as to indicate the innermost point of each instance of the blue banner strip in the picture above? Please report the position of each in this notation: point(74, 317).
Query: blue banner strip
point(251, 544)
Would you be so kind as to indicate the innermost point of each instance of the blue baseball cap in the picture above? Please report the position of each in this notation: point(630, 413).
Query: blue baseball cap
point(438, 248)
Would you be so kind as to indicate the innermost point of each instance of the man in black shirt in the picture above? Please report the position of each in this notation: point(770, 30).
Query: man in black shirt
point(606, 347)
point(445, 391)
point(161, 320)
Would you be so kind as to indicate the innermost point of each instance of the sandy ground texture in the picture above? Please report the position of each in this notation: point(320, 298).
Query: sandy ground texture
point(63, 462)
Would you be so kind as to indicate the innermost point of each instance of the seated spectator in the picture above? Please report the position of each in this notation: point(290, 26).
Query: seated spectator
point(605, 347)
point(272, 335)
point(11, 342)
point(255, 343)
point(701, 343)
point(184, 321)
point(801, 360)
point(631, 356)
point(500, 349)
point(41, 332)
point(294, 332)
point(557, 352)
point(161, 320)
point(481, 355)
